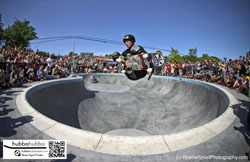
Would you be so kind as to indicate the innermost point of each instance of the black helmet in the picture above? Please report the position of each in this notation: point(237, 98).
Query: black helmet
point(128, 37)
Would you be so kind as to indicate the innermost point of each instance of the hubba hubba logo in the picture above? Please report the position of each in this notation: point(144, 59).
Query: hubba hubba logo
point(16, 149)
point(28, 144)
point(34, 149)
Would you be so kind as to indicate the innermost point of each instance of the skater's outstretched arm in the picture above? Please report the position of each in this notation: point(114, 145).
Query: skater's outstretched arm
point(108, 60)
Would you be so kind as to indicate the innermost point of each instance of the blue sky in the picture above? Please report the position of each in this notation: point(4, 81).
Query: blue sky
point(217, 27)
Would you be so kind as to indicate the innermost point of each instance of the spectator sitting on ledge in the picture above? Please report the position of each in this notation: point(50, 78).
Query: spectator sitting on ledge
point(46, 73)
point(220, 79)
point(55, 72)
point(13, 77)
point(40, 74)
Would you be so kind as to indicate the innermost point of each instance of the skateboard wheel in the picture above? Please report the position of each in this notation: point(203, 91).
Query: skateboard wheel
point(145, 56)
point(123, 71)
point(118, 60)
point(149, 70)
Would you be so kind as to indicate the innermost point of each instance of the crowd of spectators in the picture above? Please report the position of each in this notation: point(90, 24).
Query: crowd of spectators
point(231, 73)
point(19, 66)
point(22, 65)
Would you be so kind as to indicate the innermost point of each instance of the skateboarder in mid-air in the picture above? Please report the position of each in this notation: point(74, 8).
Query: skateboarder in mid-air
point(129, 41)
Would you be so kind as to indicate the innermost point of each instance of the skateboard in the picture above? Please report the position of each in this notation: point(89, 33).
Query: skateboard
point(145, 61)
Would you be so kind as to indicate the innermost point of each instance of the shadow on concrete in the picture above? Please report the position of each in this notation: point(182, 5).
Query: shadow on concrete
point(5, 99)
point(5, 111)
point(23, 86)
point(9, 92)
point(243, 114)
point(8, 124)
point(3, 106)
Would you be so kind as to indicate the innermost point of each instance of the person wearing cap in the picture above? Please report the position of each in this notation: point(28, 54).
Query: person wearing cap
point(132, 49)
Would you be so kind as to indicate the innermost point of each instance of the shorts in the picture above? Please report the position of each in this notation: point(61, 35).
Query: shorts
point(135, 75)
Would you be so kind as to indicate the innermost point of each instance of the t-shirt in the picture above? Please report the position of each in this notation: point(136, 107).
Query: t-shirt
point(169, 66)
point(74, 62)
point(180, 66)
point(45, 72)
point(55, 71)
point(38, 72)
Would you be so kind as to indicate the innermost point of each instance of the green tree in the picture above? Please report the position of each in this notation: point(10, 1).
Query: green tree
point(108, 56)
point(166, 59)
point(72, 54)
point(214, 58)
point(204, 57)
point(19, 34)
point(185, 58)
point(192, 55)
point(175, 56)
point(53, 56)
point(44, 54)
point(1, 31)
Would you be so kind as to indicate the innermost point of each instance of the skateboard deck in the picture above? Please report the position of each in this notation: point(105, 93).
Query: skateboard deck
point(146, 61)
